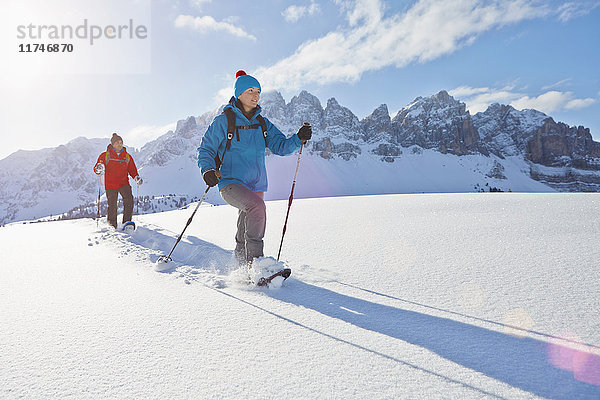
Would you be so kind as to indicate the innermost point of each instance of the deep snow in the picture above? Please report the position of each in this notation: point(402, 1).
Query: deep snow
point(487, 295)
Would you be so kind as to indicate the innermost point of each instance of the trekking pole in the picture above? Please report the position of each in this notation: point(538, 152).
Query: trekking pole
point(166, 259)
point(137, 200)
point(291, 198)
point(99, 190)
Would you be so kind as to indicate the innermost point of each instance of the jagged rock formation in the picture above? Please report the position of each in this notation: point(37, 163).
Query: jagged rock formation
point(52, 181)
point(378, 125)
point(505, 131)
point(441, 123)
point(304, 108)
point(437, 122)
point(558, 145)
point(183, 142)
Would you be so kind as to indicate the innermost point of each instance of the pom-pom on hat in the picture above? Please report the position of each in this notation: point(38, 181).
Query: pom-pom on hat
point(244, 82)
point(115, 138)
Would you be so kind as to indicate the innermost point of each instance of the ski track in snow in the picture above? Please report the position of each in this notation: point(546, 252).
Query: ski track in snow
point(193, 260)
point(340, 328)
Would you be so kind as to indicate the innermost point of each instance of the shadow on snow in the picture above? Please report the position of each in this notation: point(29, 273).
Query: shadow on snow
point(190, 251)
point(520, 362)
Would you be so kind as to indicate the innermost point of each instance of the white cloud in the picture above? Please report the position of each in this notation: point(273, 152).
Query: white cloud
point(371, 41)
point(293, 13)
point(579, 103)
point(467, 91)
point(546, 102)
point(557, 84)
point(552, 101)
point(571, 10)
point(233, 19)
point(199, 3)
point(140, 135)
point(479, 99)
point(209, 24)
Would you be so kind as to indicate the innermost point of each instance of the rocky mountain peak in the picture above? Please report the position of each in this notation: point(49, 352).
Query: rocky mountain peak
point(377, 125)
point(527, 117)
point(305, 100)
point(438, 106)
point(559, 145)
point(439, 122)
point(443, 97)
point(186, 127)
point(207, 117)
point(161, 151)
point(305, 108)
point(380, 112)
point(506, 131)
point(305, 96)
point(332, 103)
point(272, 97)
point(499, 109)
point(340, 121)
point(273, 105)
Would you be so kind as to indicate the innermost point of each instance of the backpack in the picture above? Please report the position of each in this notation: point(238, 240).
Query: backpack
point(233, 129)
point(108, 158)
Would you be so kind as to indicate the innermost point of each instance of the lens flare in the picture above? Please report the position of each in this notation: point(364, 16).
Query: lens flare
point(472, 297)
point(520, 319)
point(582, 361)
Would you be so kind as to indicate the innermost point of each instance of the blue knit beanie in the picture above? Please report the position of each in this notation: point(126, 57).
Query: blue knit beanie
point(244, 82)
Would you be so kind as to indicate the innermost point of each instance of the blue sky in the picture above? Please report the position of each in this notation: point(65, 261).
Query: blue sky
point(528, 53)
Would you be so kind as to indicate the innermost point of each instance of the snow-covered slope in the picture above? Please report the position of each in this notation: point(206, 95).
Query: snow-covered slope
point(447, 296)
point(431, 145)
point(38, 183)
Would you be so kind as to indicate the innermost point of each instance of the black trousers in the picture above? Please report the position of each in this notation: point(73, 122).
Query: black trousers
point(112, 196)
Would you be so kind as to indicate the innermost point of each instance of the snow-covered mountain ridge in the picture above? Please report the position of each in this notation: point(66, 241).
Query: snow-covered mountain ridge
point(432, 145)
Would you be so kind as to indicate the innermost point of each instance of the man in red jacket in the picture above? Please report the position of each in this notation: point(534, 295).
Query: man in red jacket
point(117, 164)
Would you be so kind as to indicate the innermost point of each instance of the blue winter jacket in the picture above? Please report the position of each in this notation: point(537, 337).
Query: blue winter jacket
point(245, 160)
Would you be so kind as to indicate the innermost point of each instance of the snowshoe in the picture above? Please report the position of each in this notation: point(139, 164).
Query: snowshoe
point(129, 227)
point(284, 273)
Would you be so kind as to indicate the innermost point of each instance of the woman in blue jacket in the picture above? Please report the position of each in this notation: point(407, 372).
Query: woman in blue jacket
point(242, 176)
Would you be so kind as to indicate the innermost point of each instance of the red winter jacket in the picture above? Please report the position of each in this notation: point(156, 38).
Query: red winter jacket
point(117, 168)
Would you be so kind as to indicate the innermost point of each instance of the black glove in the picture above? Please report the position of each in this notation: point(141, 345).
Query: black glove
point(211, 178)
point(305, 132)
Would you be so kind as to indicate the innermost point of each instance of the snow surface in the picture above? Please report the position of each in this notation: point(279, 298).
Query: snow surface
point(431, 296)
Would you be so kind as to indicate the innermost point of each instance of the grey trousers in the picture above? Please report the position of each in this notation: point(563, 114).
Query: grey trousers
point(252, 220)
point(112, 197)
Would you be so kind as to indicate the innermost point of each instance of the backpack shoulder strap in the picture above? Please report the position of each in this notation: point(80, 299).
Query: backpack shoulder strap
point(230, 114)
point(107, 158)
point(263, 126)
